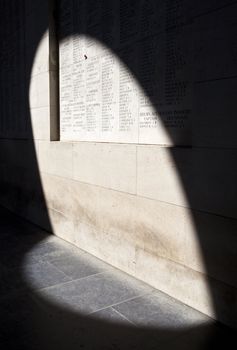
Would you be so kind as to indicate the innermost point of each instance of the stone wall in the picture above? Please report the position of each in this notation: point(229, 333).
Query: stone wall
point(164, 212)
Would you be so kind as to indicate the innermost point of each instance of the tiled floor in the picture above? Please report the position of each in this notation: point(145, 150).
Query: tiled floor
point(55, 296)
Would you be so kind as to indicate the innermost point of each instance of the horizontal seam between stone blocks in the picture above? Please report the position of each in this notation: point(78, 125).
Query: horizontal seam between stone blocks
point(186, 267)
point(142, 196)
point(143, 145)
point(215, 79)
point(204, 273)
point(42, 106)
point(210, 12)
point(88, 183)
point(150, 145)
point(33, 75)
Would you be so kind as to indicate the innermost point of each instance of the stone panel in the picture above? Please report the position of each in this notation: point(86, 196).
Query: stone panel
point(40, 123)
point(108, 165)
point(55, 158)
point(39, 91)
point(196, 178)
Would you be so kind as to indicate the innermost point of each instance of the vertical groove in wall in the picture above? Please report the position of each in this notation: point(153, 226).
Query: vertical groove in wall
point(53, 72)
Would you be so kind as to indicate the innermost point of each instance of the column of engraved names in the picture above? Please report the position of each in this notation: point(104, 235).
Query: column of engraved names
point(110, 70)
point(110, 93)
point(151, 96)
point(93, 96)
point(79, 87)
point(177, 73)
point(66, 70)
point(128, 103)
point(79, 108)
point(66, 102)
point(128, 92)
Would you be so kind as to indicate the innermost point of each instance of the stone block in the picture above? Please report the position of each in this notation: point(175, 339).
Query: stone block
point(40, 123)
point(195, 178)
point(55, 158)
point(107, 165)
point(39, 91)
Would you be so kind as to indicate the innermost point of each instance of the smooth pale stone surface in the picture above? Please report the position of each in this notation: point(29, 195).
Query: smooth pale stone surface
point(41, 60)
point(214, 119)
point(167, 231)
point(39, 91)
point(108, 165)
point(195, 178)
point(82, 295)
point(217, 241)
point(158, 174)
point(53, 187)
point(61, 225)
point(102, 223)
point(102, 245)
point(106, 210)
point(55, 158)
point(40, 123)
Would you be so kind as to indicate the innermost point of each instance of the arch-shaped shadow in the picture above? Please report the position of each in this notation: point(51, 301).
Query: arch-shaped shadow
point(104, 333)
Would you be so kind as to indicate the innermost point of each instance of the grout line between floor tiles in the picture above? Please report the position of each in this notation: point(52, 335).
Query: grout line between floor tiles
point(77, 279)
point(116, 311)
point(119, 313)
point(48, 262)
point(120, 302)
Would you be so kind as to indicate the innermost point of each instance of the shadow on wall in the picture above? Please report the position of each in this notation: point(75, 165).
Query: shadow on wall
point(209, 181)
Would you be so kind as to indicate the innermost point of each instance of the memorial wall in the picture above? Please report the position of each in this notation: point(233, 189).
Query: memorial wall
point(135, 77)
point(125, 72)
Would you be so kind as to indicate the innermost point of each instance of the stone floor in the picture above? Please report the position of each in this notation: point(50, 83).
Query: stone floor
point(55, 296)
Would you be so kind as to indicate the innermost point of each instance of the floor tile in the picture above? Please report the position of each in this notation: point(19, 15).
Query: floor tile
point(159, 310)
point(112, 316)
point(42, 274)
point(80, 265)
point(96, 292)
